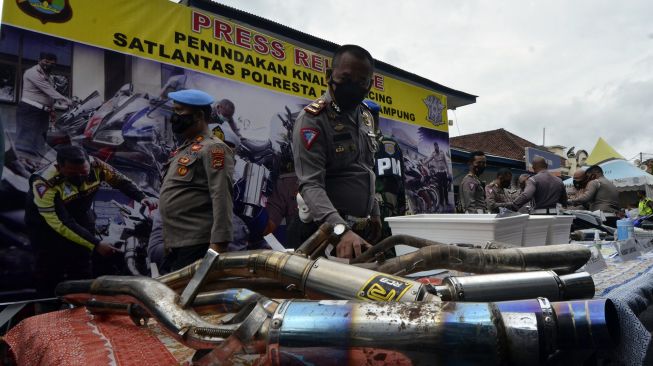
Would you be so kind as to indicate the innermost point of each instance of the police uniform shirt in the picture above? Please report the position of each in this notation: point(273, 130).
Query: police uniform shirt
point(66, 208)
point(545, 189)
point(472, 195)
point(38, 87)
point(496, 197)
point(334, 160)
point(600, 194)
point(196, 194)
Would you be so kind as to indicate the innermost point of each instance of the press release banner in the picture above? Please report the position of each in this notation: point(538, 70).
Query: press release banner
point(182, 36)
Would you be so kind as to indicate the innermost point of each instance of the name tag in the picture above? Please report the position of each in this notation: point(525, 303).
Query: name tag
point(627, 250)
point(596, 263)
point(644, 245)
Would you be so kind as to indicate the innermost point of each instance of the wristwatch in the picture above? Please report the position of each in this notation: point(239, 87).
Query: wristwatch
point(340, 229)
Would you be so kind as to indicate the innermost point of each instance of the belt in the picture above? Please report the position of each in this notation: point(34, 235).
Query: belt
point(36, 105)
point(545, 211)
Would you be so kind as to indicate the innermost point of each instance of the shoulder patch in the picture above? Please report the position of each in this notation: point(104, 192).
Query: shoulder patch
point(315, 107)
point(217, 158)
point(309, 135)
point(40, 188)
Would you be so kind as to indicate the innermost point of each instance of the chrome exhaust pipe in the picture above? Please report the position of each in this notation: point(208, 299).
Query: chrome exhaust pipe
point(516, 286)
point(506, 333)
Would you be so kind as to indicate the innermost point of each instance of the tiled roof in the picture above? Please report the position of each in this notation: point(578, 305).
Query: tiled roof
point(495, 142)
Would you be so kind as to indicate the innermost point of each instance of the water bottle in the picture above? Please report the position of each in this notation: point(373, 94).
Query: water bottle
point(625, 229)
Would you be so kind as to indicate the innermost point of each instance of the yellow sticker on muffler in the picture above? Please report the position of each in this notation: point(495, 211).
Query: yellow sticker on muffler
point(384, 288)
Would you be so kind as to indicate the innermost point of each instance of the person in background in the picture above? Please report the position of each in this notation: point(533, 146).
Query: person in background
point(645, 204)
point(388, 167)
point(61, 220)
point(472, 193)
point(224, 111)
point(196, 193)
point(544, 189)
point(439, 171)
point(36, 104)
point(496, 193)
point(600, 194)
point(580, 185)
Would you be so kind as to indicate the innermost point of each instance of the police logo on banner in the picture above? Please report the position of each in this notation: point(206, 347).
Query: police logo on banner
point(309, 135)
point(54, 11)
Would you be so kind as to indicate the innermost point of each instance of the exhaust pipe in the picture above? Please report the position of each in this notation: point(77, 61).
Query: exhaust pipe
point(524, 332)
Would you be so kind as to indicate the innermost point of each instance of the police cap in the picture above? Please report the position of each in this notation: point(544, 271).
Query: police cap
point(192, 97)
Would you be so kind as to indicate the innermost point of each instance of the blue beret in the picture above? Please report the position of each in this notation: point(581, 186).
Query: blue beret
point(372, 106)
point(191, 97)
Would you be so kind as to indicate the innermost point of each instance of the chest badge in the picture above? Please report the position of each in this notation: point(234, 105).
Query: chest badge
point(339, 127)
point(389, 148)
point(367, 119)
point(182, 170)
point(340, 148)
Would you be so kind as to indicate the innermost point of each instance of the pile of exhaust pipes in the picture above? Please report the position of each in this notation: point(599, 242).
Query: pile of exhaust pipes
point(526, 306)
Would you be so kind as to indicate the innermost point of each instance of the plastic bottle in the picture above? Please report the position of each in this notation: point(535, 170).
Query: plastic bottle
point(625, 229)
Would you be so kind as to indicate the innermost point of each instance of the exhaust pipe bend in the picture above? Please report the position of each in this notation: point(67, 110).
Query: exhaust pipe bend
point(563, 259)
point(155, 298)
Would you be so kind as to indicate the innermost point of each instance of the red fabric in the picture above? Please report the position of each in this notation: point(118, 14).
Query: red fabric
point(430, 280)
point(75, 337)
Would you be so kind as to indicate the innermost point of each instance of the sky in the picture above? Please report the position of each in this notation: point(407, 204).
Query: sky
point(581, 69)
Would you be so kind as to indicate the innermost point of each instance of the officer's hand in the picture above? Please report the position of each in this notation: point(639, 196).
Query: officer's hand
point(105, 249)
point(151, 203)
point(377, 229)
point(351, 245)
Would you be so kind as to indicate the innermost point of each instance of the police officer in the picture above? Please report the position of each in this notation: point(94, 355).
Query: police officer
point(580, 185)
point(439, 171)
point(196, 194)
point(472, 193)
point(496, 193)
point(333, 148)
point(645, 205)
point(388, 167)
point(544, 189)
point(61, 220)
point(36, 103)
point(600, 194)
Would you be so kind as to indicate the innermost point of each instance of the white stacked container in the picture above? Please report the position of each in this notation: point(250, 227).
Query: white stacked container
point(560, 229)
point(460, 228)
point(536, 230)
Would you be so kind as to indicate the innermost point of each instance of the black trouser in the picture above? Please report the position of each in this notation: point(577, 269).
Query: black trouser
point(31, 128)
point(179, 258)
point(57, 260)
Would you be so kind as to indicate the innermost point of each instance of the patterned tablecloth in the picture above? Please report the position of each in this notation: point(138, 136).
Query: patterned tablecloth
point(74, 337)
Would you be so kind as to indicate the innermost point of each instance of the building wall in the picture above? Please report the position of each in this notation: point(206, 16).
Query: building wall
point(146, 75)
point(88, 71)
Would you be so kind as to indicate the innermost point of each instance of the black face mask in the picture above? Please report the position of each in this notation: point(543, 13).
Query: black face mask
point(181, 122)
point(479, 170)
point(46, 68)
point(348, 94)
point(578, 184)
point(77, 180)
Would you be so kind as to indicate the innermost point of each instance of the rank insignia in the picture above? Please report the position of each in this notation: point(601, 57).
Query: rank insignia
point(196, 147)
point(184, 160)
point(182, 170)
point(367, 119)
point(340, 148)
point(315, 107)
point(309, 135)
point(41, 189)
point(199, 138)
point(217, 158)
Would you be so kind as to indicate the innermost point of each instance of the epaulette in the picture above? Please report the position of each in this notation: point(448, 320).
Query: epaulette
point(315, 107)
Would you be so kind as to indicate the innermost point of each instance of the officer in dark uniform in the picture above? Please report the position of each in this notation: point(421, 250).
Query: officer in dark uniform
point(197, 190)
point(61, 220)
point(472, 193)
point(389, 162)
point(543, 190)
point(333, 148)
